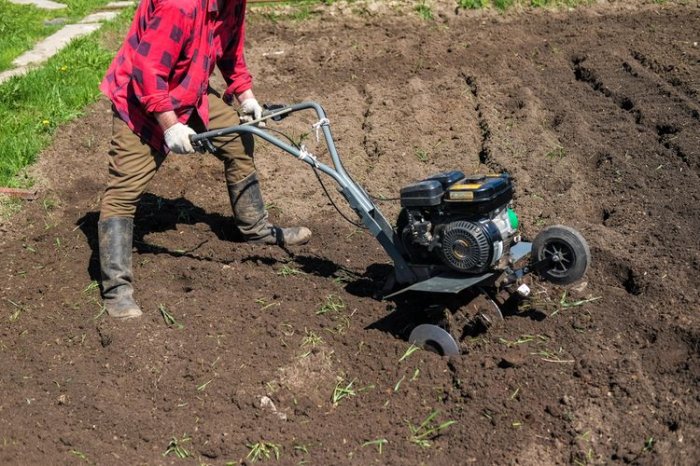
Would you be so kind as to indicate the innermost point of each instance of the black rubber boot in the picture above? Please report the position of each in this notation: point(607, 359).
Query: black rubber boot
point(251, 218)
point(115, 236)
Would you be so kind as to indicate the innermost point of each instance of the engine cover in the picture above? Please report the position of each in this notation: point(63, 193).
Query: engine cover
point(470, 247)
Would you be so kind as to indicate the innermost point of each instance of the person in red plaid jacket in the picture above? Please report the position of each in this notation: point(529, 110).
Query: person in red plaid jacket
point(159, 87)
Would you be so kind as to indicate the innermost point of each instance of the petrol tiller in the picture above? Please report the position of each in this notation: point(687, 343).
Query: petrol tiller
point(456, 234)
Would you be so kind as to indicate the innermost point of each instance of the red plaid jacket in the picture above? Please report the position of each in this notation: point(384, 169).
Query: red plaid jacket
point(167, 58)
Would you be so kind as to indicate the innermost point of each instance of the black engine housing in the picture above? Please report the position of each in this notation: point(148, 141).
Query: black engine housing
point(457, 221)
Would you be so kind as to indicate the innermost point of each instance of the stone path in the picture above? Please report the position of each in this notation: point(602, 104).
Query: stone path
point(51, 45)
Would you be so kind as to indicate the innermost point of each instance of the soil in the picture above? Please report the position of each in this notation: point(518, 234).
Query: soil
point(595, 112)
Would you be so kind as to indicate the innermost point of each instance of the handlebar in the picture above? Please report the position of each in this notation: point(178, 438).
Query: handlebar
point(358, 199)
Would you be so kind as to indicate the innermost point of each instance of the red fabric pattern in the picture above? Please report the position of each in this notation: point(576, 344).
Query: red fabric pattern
point(167, 58)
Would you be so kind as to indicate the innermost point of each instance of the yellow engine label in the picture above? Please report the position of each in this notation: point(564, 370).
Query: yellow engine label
point(461, 195)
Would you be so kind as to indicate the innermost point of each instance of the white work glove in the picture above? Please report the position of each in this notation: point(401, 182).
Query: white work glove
point(250, 110)
point(177, 138)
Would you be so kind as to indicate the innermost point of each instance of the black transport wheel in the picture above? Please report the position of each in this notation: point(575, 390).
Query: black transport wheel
point(567, 251)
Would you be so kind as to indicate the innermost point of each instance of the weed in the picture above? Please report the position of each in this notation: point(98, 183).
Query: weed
point(92, 286)
point(102, 311)
point(515, 394)
point(379, 443)
point(581, 459)
point(287, 271)
point(19, 309)
point(548, 355)
point(342, 391)
point(169, 319)
point(649, 445)
point(415, 375)
point(49, 204)
point(201, 388)
point(332, 304)
point(564, 303)
point(516, 424)
point(265, 305)
point(411, 349)
point(80, 455)
point(522, 339)
point(342, 323)
point(311, 339)
point(471, 4)
point(398, 384)
point(263, 450)
point(424, 11)
point(301, 448)
point(175, 447)
point(9, 206)
point(343, 276)
point(503, 4)
point(427, 430)
point(422, 155)
point(556, 154)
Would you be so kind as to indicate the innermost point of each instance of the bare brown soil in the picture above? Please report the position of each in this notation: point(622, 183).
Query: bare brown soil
point(595, 112)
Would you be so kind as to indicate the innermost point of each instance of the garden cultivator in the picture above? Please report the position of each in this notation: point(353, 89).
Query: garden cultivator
point(456, 234)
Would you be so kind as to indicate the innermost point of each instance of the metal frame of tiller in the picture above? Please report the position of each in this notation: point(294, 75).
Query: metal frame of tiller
point(411, 276)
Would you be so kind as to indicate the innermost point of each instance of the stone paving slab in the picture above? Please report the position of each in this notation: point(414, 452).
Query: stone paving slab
point(55, 42)
point(44, 4)
point(100, 16)
point(5, 75)
point(120, 4)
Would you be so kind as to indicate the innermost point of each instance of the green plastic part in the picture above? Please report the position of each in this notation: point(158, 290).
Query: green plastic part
point(513, 219)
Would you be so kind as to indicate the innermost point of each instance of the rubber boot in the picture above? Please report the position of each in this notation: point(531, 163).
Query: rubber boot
point(251, 217)
point(115, 236)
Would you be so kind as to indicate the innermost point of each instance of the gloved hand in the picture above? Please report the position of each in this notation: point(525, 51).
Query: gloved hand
point(177, 138)
point(250, 110)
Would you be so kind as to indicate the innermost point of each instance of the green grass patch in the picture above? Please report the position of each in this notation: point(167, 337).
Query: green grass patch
point(21, 26)
point(506, 4)
point(33, 106)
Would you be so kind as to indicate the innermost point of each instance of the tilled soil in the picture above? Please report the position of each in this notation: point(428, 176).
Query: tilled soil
point(596, 114)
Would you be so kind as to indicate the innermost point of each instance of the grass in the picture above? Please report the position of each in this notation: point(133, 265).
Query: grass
point(33, 106)
point(9, 206)
point(424, 11)
point(557, 153)
point(21, 26)
point(379, 443)
point(263, 451)
point(80, 455)
point(175, 447)
point(169, 319)
point(299, 10)
point(342, 391)
point(506, 4)
point(332, 304)
point(427, 430)
point(311, 339)
point(264, 304)
point(409, 351)
point(289, 271)
point(565, 303)
point(422, 155)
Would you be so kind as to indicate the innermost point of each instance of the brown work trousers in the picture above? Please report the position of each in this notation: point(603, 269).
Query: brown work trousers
point(133, 163)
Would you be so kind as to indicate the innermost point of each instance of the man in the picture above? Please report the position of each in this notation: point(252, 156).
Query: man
point(159, 87)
